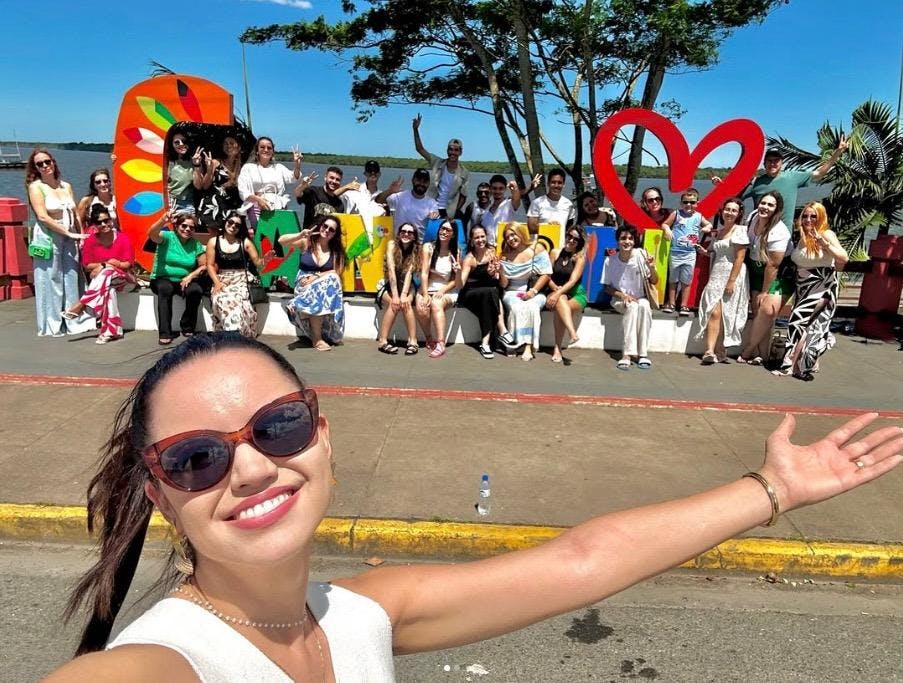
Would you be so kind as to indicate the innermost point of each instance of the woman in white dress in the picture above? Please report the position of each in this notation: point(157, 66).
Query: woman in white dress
point(261, 183)
point(725, 299)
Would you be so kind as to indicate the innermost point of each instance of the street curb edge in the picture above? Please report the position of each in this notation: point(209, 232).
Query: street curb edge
point(459, 540)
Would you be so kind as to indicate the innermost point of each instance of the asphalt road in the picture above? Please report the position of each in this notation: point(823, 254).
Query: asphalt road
point(679, 627)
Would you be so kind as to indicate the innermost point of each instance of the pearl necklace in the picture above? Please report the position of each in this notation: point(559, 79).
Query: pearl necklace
point(238, 621)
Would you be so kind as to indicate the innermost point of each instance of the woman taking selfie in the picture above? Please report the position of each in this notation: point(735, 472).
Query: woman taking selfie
point(246, 476)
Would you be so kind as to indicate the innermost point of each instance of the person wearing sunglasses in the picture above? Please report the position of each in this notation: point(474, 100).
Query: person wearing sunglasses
point(652, 201)
point(395, 292)
point(107, 257)
point(684, 229)
point(317, 309)
point(439, 281)
point(567, 297)
point(724, 303)
point(818, 256)
point(179, 261)
point(246, 476)
point(228, 256)
point(53, 246)
point(100, 192)
point(184, 175)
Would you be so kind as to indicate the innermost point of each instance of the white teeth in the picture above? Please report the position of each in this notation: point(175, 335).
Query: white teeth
point(264, 507)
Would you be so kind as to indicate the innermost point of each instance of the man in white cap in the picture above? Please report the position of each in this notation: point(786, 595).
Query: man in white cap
point(448, 177)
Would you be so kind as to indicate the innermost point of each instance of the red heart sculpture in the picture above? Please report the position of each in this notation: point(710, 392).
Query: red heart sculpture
point(682, 163)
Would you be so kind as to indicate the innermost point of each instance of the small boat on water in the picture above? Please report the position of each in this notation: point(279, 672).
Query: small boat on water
point(11, 160)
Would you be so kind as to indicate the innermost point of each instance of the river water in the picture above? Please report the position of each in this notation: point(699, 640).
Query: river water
point(76, 167)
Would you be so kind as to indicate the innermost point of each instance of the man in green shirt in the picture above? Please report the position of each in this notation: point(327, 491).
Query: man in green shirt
point(786, 182)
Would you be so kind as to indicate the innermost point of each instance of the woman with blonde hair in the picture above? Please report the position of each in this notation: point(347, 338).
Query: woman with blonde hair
point(525, 272)
point(396, 291)
point(818, 256)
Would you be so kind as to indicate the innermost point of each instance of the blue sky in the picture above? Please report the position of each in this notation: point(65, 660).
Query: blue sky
point(810, 61)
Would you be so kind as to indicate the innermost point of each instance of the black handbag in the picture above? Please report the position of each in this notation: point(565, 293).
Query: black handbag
point(257, 293)
point(787, 269)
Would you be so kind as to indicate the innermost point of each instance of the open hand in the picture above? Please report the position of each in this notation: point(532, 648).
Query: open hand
point(843, 144)
point(297, 157)
point(803, 475)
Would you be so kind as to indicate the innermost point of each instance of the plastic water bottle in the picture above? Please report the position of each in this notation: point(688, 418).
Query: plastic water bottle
point(484, 503)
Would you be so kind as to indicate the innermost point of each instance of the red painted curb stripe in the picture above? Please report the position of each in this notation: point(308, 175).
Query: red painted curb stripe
point(502, 396)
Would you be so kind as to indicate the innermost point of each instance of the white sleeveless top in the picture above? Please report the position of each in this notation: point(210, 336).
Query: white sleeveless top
point(357, 629)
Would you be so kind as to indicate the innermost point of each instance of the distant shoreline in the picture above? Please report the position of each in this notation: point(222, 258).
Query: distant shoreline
point(389, 162)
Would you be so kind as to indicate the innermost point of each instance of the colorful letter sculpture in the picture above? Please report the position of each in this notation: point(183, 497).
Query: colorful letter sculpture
point(149, 109)
point(682, 163)
point(270, 226)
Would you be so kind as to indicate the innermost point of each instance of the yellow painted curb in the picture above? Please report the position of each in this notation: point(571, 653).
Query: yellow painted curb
point(457, 540)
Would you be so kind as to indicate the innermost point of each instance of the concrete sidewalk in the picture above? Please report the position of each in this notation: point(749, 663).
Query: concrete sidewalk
point(412, 437)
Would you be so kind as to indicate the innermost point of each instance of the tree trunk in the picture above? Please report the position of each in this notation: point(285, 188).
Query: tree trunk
point(653, 85)
point(526, 86)
point(494, 95)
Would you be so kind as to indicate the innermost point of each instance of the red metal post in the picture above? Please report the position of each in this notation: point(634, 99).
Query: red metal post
point(16, 272)
point(879, 297)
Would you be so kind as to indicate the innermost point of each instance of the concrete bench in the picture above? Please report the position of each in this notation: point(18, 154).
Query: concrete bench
point(596, 329)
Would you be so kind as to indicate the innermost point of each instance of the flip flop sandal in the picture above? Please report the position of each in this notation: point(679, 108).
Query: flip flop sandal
point(387, 348)
point(411, 350)
point(165, 341)
point(623, 364)
point(644, 363)
point(755, 361)
point(709, 359)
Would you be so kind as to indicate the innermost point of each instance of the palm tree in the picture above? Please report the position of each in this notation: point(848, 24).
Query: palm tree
point(868, 179)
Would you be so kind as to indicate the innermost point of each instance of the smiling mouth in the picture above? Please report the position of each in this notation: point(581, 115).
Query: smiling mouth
point(263, 508)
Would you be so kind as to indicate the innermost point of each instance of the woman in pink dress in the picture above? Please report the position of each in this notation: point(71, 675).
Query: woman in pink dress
point(107, 257)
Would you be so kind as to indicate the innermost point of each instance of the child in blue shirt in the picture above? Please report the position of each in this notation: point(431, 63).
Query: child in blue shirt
point(683, 229)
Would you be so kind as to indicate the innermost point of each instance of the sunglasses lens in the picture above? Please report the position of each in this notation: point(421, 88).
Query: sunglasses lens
point(196, 463)
point(285, 429)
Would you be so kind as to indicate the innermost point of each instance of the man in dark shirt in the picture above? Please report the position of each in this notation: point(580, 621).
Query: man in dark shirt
point(310, 197)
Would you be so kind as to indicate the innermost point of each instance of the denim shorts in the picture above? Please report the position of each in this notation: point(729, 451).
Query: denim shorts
point(681, 272)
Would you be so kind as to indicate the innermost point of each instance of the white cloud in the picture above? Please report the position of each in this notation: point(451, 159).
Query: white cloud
point(298, 4)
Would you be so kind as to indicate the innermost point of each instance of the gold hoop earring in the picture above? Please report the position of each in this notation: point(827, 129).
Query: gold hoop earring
point(184, 555)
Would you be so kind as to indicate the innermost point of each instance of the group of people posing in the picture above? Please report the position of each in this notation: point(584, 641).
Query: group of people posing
point(755, 264)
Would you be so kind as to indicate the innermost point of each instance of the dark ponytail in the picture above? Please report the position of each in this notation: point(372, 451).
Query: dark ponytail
point(117, 504)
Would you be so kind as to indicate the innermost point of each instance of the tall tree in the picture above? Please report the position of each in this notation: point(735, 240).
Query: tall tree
point(583, 57)
point(867, 181)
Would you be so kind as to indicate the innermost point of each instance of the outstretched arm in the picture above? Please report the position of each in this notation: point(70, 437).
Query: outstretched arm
point(431, 607)
point(819, 173)
point(418, 143)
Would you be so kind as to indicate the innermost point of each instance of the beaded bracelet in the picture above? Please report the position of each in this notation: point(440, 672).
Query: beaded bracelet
point(772, 496)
